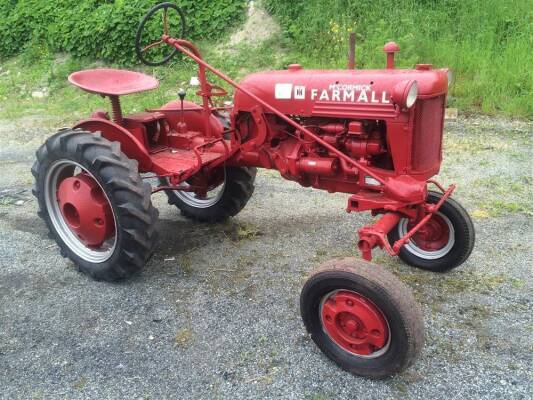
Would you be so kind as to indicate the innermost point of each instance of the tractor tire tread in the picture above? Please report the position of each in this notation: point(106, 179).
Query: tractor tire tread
point(463, 247)
point(136, 217)
point(386, 285)
point(237, 192)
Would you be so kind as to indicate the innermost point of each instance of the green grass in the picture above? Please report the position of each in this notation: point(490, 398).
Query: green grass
point(505, 195)
point(487, 43)
point(29, 72)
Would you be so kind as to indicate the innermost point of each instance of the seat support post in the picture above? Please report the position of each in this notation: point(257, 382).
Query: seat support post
point(115, 107)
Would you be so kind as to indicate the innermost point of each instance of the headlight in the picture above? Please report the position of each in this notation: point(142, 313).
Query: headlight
point(411, 95)
point(405, 93)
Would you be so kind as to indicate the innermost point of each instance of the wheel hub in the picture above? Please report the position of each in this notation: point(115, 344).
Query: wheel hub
point(434, 235)
point(354, 323)
point(86, 209)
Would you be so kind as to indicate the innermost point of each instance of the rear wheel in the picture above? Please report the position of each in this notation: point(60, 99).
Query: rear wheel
point(96, 206)
point(224, 201)
point(444, 243)
point(362, 317)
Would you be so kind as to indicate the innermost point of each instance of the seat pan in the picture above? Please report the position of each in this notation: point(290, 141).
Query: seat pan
point(112, 82)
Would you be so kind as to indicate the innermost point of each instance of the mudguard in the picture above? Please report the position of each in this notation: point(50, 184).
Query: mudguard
point(129, 144)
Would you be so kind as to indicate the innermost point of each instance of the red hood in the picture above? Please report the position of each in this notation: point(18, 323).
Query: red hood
point(326, 92)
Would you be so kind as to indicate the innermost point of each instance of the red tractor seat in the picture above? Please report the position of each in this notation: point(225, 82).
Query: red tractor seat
point(112, 82)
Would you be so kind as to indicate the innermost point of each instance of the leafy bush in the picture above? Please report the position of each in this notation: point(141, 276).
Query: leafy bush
point(487, 43)
point(101, 29)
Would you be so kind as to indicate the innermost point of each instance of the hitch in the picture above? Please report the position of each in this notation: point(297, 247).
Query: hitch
point(371, 236)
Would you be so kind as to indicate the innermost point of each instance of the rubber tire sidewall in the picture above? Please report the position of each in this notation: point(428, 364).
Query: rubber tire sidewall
point(392, 361)
point(113, 268)
point(238, 189)
point(464, 238)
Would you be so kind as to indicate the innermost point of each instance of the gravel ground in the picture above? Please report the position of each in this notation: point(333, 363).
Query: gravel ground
point(215, 313)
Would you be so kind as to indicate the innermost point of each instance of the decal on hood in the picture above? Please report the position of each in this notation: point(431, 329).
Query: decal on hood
point(344, 92)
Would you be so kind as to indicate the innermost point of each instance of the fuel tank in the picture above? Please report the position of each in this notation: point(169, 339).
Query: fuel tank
point(338, 93)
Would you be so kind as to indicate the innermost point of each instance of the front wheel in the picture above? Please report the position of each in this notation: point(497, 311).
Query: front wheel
point(444, 243)
point(362, 317)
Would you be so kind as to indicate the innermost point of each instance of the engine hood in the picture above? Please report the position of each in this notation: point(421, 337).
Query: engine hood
point(337, 93)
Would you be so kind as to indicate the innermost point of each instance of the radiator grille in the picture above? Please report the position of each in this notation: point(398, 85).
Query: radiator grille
point(427, 134)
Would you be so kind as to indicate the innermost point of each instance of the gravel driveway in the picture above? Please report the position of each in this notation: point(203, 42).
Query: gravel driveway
point(215, 313)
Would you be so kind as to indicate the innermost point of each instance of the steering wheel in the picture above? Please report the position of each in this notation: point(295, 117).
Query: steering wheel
point(151, 29)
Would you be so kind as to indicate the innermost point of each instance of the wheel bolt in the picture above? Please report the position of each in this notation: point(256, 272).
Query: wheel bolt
point(98, 221)
point(77, 185)
point(349, 303)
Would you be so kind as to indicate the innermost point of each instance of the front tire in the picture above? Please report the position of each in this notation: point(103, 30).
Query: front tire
point(362, 317)
point(95, 204)
point(227, 201)
point(444, 243)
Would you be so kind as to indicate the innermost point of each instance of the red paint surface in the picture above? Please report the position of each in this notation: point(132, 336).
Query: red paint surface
point(112, 82)
point(433, 236)
point(86, 210)
point(365, 144)
point(354, 323)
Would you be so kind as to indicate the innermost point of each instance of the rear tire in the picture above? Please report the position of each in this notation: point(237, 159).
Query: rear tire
point(237, 190)
point(452, 253)
point(384, 317)
point(133, 216)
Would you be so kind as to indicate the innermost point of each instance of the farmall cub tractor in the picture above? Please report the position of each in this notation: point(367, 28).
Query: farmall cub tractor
point(373, 134)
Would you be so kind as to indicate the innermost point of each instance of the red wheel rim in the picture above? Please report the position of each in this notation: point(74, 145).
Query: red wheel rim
point(433, 236)
point(354, 323)
point(86, 210)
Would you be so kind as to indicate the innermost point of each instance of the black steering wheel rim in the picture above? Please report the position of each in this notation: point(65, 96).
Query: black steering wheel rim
point(140, 29)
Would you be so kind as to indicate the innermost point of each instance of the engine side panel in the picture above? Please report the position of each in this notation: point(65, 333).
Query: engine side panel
point(394, 141)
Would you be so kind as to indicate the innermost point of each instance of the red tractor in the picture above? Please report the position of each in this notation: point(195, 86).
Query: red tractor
point(374, 134)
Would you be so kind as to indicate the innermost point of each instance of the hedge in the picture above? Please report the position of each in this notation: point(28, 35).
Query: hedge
point(101, 29)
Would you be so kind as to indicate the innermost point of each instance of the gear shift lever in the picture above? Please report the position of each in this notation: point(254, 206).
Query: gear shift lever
point(182, 126)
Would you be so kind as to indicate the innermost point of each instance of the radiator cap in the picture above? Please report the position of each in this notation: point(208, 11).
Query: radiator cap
point(294, 67)
point(423, 67)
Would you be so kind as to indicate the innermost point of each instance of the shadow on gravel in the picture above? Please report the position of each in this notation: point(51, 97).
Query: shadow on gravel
point(29, 224)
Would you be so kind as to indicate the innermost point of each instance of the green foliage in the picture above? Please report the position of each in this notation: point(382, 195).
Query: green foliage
point(487, 43)
point(101, 29)
point(66, 103)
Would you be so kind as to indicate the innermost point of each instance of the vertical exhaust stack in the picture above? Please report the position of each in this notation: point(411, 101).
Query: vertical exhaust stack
point(351, 51)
